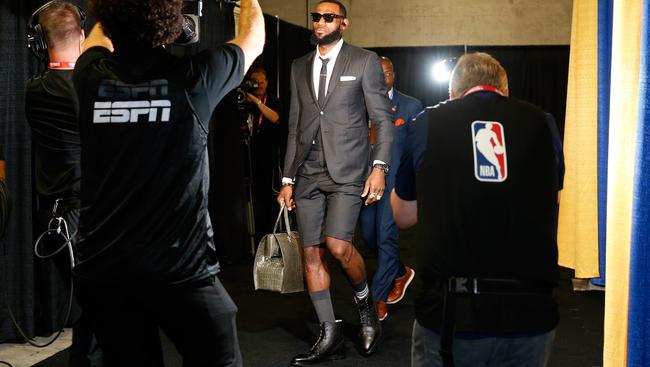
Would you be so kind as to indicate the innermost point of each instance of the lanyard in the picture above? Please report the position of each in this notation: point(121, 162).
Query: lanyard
point(259, 122)
point(61, 65)
point(481, 88)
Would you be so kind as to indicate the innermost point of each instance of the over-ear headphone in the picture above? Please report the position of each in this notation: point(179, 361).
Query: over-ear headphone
point(36, 41)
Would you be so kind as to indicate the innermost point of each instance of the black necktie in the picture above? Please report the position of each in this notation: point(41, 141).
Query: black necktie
point(322, 81)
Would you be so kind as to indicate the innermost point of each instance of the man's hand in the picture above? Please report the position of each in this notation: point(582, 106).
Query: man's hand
point(252, 98)
point(285, 197)
point(374, 187)
point(270, 114)
point(405, 212)
point(250, 37)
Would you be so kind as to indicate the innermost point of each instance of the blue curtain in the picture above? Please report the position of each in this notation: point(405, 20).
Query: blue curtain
point(638, 347)
point(605, 20)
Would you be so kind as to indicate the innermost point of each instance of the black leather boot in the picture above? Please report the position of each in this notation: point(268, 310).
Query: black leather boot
point(370, 331)
point(328, 346)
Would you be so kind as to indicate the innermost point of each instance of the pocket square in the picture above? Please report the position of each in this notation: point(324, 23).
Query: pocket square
point(347, 78)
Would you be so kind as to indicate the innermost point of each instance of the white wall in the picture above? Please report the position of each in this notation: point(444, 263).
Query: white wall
point(385, 23)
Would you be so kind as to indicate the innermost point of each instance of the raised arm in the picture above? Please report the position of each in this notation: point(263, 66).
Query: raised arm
point(250, 35)
point(272, 115)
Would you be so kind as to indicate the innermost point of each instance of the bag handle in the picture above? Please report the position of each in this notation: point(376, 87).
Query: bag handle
point(283, 210)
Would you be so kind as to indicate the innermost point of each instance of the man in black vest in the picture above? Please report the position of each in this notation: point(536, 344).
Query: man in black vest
point(481, 178)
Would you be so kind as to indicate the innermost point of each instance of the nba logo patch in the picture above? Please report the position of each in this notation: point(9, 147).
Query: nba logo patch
point(490, 159)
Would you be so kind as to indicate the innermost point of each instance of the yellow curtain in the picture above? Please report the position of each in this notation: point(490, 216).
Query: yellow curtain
point(623, 121)
point(578, 223)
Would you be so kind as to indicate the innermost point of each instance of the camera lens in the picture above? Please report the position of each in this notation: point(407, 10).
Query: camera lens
point(189, 34)
point(240, 95)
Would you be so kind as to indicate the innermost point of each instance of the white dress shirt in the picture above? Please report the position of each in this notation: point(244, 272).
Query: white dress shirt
point(332, 55)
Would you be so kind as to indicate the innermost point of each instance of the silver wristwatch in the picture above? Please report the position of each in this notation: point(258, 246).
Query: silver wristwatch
point(381, 166)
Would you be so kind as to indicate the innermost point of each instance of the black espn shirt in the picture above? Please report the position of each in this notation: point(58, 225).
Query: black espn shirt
point(144, 125)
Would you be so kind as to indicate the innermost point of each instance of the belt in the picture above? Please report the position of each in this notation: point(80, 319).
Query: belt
point(454, 286)
point(59, 204)
point(477, 286)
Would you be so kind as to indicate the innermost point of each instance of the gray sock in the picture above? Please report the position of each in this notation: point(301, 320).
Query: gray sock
point(323, 305)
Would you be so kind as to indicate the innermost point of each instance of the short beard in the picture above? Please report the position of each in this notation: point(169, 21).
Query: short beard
point(330, 38)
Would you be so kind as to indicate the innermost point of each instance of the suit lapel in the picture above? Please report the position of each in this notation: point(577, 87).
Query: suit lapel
point(341, 64)
point(309, 74)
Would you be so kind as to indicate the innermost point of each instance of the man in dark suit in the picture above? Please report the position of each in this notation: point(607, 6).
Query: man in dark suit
point(378, 228)
point(329, 160)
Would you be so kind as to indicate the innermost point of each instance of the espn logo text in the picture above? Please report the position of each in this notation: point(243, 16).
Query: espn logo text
point(129, 103)
point(131, 111)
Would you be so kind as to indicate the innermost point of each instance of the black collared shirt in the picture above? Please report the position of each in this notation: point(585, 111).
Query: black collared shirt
point(51, 108)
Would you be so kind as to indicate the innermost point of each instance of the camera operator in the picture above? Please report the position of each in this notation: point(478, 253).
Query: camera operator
point(268, 105)
point(267, 137)
point(147, 257)
point(56, 35)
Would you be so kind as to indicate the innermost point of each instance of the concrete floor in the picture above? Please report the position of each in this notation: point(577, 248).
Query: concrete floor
point(25, 355)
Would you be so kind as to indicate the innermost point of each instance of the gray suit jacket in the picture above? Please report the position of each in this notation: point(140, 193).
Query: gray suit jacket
point(356, 86)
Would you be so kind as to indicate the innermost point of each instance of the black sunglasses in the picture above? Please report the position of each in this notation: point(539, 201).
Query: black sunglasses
point(329, 17)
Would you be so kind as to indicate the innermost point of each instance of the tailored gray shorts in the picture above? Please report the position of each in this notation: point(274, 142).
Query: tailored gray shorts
point(325, 208)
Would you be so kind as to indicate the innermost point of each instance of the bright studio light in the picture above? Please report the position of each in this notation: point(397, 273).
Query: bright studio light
point(441, 71)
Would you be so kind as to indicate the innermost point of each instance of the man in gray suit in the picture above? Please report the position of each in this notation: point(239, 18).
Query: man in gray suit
point(330, 162)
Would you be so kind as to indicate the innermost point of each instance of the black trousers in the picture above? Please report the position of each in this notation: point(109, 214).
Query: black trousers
point(199, 318)
point(84, 351)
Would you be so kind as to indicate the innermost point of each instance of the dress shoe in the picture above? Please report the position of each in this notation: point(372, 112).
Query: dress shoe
point(399, 286)
point(382, 310)
point(328, 346)
point(370, 330)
